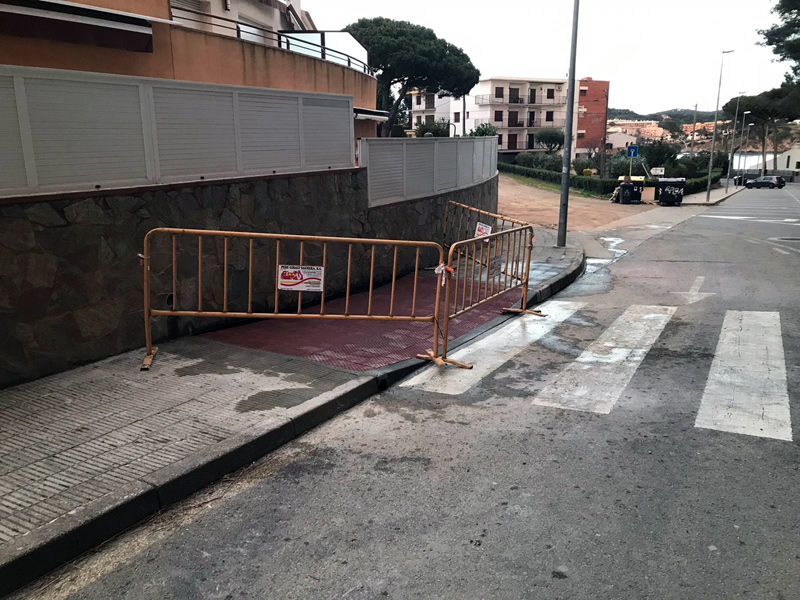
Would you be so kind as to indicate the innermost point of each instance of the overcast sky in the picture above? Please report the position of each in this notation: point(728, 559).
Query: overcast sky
point(657, 55)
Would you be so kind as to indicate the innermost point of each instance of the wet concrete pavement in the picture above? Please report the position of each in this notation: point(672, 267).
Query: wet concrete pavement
point(637, 443)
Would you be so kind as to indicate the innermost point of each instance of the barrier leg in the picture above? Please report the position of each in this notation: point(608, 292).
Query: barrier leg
point(148, 334)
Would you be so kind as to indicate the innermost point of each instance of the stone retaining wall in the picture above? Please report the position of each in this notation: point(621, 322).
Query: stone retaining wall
point(71, 285)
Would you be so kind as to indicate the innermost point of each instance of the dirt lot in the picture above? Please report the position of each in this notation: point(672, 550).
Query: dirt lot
point(540, 207)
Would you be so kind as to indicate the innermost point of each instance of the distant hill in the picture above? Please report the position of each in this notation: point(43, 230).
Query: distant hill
point(682, 115)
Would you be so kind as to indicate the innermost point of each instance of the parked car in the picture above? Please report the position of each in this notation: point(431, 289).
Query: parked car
point(768, 181)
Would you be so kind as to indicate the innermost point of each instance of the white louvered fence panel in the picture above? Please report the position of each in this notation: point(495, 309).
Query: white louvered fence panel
point(269, 130)
point(385, 174)
point(195, 132)
point(401, 170)
point(328, 133)
point(446, 166)
point(85, 132)
point(419, 169)
point(12, 159)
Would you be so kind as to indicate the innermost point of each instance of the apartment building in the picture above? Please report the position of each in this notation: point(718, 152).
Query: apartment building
point(592, 115)
point(518, 107)
point(260, 43)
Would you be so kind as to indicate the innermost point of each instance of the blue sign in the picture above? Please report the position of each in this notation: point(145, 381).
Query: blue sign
point(633, 151)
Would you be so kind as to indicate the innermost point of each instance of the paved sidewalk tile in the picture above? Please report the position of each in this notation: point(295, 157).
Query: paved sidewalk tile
point(72, 438)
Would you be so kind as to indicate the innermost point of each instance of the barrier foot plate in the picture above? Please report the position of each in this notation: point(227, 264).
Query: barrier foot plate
point(535, 313)
point(443, 361)
point(148, 360)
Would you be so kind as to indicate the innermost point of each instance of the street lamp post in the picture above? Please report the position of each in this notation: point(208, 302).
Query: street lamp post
point(741, 138)
point(743, 167)
point(714, 136)
point(566, 163)
point(733, 140)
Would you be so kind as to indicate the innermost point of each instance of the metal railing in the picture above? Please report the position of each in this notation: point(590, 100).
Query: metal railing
point(537, 100)
point(289, 254)
point(494, 261)
point(521, 145)
point(489, 255)
point(544, 123)
point(257, 34)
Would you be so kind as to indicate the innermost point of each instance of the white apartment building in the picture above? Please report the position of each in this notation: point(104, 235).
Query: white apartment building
point(518, 107)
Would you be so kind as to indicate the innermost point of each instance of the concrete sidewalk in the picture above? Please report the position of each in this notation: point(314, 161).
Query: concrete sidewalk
point(88, 453)
point(717, 196)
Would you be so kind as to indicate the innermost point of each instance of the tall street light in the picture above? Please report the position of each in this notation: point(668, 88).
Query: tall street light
point(741, 138)
point(714, 136)
point(566, 163)
point(733, 139)
point(743, 167)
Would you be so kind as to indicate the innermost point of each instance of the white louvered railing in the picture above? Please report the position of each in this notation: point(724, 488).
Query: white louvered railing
point(405, 169)
point(71, 131)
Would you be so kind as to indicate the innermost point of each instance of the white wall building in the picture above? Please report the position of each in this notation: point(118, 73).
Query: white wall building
point(518, 107)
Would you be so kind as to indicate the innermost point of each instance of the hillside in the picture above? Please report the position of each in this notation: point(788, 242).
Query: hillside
point(682, 115)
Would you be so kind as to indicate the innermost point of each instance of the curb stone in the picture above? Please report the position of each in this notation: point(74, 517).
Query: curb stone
point(49, 547)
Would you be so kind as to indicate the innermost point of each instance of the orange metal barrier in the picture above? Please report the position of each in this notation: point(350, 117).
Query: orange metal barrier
point(483, 267)
point(287, 277)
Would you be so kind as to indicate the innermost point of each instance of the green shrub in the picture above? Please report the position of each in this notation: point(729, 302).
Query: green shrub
point(588, 172)
point(590, 184)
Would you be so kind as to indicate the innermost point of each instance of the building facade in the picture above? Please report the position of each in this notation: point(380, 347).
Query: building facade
point(260, 43)
point(518, 107)
point(592, 115)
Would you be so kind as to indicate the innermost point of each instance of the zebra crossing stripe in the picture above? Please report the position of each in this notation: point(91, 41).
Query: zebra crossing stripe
point(492, 351)
point(596, 379)
point(746, 391)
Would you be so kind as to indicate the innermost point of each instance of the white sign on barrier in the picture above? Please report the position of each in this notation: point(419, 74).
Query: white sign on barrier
point(482, 229)
point(301, 279)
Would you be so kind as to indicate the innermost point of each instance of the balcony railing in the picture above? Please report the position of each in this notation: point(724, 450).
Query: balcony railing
point(543, 124)
point(538, 100)
point(520, 145)
point(299, 41)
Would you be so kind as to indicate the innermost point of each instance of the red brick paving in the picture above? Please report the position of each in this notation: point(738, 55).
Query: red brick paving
point(361, 345)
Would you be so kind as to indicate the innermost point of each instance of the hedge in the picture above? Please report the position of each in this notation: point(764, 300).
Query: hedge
point(601, 186)
point(590, 184)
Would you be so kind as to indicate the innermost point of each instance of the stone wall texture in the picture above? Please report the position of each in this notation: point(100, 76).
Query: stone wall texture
point(71, 285)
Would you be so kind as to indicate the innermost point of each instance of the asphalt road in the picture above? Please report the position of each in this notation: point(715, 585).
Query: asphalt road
point(636, 444)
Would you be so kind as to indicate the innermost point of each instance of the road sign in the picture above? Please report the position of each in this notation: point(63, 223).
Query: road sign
point(657, 170)
point(633, 151)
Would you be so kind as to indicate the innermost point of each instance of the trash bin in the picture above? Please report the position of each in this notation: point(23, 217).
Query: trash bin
point(638, 188)
point(626, 193)
point(669, 191)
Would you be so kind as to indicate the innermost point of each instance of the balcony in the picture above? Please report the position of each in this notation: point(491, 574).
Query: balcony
point(520, 145)
point(484, 99)
point(338, 47)
point(543, 124)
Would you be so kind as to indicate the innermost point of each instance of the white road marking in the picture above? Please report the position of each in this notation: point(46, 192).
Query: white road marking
point(792, 195)
point(752, 241)
point(491, 352)
point(694, 294)
point(724, 217)
point(746, 391)
point(598, 377)
point(782, 251)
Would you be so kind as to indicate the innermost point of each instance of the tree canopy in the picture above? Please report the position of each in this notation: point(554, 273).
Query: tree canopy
point(406, 56)
point(784, 37)
point(769, 112)
point(552, 138)
point(483, 130)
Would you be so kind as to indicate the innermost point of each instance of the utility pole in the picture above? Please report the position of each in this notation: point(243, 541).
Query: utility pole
point(464, 116)
point(733, 139)
point(694, 129)
point(714, 136)
point(605, 137)
point(567, 162)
